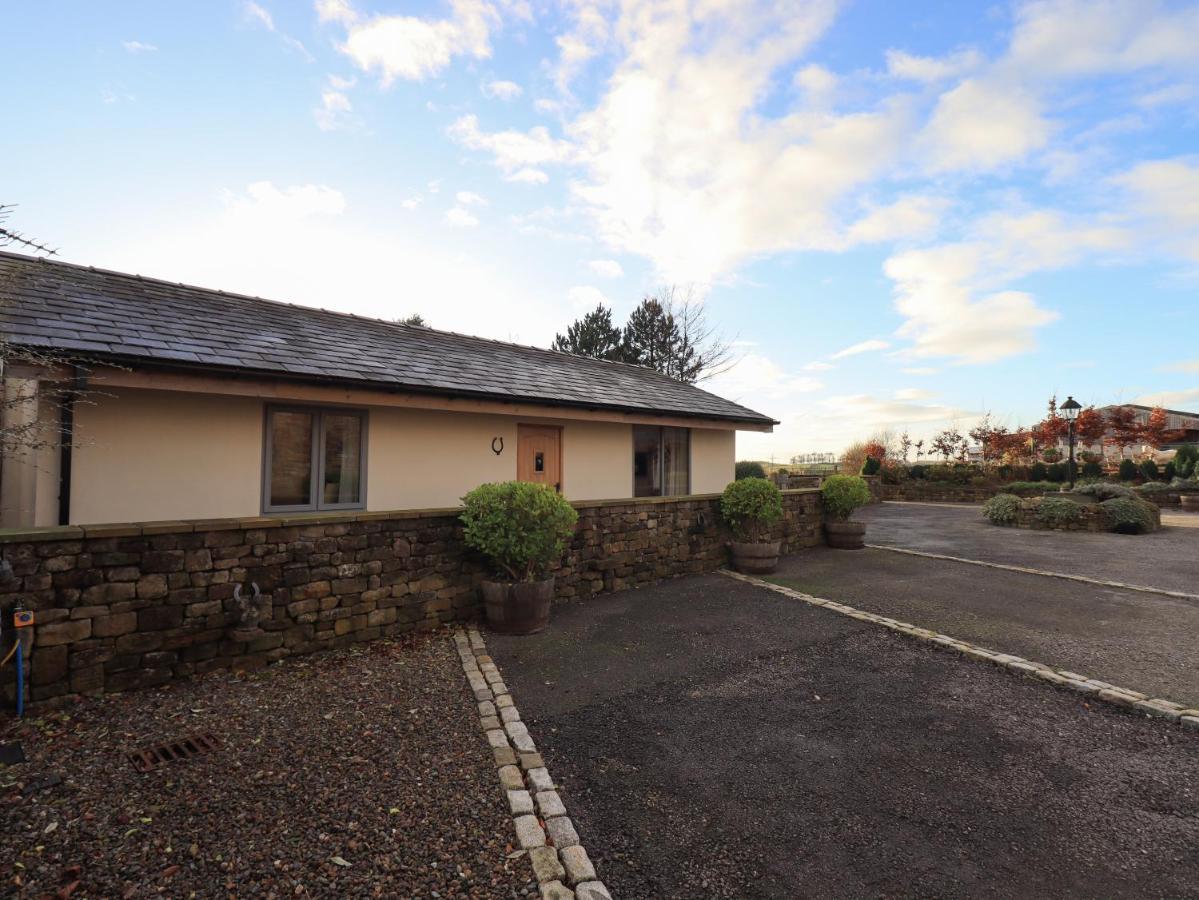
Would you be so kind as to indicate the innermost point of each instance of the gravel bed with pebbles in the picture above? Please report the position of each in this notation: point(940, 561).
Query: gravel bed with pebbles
point(356, 772)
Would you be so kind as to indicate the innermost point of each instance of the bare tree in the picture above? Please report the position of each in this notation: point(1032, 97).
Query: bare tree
point(702, 352)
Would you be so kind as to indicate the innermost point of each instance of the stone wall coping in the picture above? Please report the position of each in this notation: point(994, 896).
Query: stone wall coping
point(138, 529)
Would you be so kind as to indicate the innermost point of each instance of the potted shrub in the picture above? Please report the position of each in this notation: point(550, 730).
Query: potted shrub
point(842, 495)
point(522, 528)
point(750, 506)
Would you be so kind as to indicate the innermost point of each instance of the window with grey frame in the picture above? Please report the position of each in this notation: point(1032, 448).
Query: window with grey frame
point(314, 459)
point(661, 461)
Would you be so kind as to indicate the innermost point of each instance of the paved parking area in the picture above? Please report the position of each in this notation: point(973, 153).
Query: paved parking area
point(714, 739)
point(1136, 640)
point(1167, 559)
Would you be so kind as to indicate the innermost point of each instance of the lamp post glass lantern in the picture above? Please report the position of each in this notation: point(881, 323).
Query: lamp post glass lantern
point(1070, 411)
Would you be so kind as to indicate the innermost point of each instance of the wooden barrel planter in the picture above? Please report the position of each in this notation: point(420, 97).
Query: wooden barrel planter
point(521, 607)
point(756, 558)
point(845, 535)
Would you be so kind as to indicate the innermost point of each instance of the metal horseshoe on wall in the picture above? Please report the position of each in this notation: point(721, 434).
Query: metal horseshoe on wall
point(497, 450)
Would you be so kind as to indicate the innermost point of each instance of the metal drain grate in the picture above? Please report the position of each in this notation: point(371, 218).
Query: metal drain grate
point(185, 748)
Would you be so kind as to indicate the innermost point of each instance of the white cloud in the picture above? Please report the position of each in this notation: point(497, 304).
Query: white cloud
point(908, 217)
point(259, 15)
point(416, 48)
point(262, 200)
point(411, 202)
point(981, 125)
point(948, 295)
point(584, 298)
point(929, 69)
point(459, 217)
point(335, 11)
point(517, 153)
point(920, 370)
point(138, 47)
point(528, 175)
point(609, 268)
point(869, 346)
point(1089, 37)
point(817, 83)
point(502, 90)
point(757, 379)
point(335, 106)
point(470, 198)
point(817, 366)
point(1166, 194)
point(1186, 400)
point(1190, 365)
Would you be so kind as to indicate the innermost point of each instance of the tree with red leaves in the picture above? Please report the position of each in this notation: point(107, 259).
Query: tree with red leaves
point(1090, 426)
point(1155, 431)
point(947, 443)
point(1123, 428)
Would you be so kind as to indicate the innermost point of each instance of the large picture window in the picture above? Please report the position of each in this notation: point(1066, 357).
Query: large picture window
point(315, 459)
point(661, 461)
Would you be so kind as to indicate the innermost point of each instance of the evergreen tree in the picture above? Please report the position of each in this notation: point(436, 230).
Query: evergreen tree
point(651, 338)
point(593, 335)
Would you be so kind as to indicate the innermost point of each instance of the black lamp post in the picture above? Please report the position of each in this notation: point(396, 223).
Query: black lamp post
point(1070, 410)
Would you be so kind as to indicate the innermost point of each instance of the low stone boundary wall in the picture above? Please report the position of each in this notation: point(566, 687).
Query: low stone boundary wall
point(936, 492)
point(1092, 518)
point(124, 606)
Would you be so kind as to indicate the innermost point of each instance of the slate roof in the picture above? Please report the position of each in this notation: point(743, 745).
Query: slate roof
point(144, 321)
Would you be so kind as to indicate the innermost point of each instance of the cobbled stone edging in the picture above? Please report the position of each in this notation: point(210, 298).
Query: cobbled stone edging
point(1100, 690)
point(560, 864)
point(1008, 567)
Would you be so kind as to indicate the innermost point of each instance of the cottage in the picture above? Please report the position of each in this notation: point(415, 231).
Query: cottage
point(186, 403)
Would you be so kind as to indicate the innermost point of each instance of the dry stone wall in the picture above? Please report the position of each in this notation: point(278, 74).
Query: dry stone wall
point(125, 606)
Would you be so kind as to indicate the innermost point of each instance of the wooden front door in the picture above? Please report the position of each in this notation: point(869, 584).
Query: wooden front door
point(539, 455)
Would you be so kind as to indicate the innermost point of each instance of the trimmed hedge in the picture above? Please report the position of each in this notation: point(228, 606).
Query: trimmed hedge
point(1002, 509)
point(1128, 515)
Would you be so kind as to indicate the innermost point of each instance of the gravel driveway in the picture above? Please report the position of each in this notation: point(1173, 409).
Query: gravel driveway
point(351, 773)
point(1167, 559)
point(716, 740)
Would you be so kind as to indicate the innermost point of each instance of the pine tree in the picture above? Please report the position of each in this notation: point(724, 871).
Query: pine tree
point(593, 335)
point(651, 338)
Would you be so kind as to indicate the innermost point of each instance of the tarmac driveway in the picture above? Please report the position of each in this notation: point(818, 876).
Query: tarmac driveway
point(714, 739)
point(1167, 559)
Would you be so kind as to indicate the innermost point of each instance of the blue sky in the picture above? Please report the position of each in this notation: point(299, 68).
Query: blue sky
point(904, 214)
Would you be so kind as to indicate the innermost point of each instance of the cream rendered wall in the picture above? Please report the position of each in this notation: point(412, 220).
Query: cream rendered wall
point(423, 459)
point(597, 460)
point(420, 459)
point(148, 455)
point(713, 456)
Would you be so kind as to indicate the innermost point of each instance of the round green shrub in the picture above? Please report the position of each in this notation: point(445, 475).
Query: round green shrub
point(1128, 515)
point(521, 527)
point(1002, 509)
point(1170, 471)
point(750, 506)
point(1104, 490)
point(1058, 472)
point(1185, 460)
point(748, 469)
point(871, 466)
point(843, 494)
point(1128, 470)
point(918, 472)
point(1057, 511)
point(1153, 487)
point(1149, 470)
point(1092, 469)
point(1038, 472)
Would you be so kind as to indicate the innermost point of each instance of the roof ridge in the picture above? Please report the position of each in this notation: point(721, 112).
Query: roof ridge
point(642, 370)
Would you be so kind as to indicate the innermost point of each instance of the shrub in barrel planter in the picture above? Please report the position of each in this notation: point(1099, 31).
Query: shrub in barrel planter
point(750, 506)
point(522, 529)
point(842, 495)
